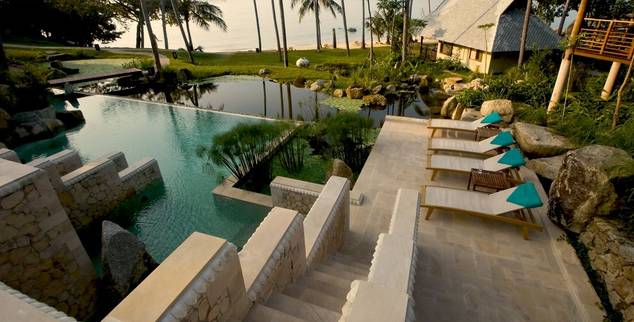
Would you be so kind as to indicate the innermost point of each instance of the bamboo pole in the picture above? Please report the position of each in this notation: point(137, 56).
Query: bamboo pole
point(619, 95)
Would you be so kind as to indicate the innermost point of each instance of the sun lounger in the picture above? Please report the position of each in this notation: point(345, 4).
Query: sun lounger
point(505, 161)
point(464, 126)
point(510, 206)
point(501, 140)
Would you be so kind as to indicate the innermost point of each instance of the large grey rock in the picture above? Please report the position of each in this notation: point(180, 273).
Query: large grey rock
point(546, 167)
point(447, 82)
point(374, 100)
point(470, 114)
point(354, 92)
point(302, 63)
point(538, 141)
point(448, 107)
point(340, 169)
point(34, 116)
point(5, 120)
point(457, 112)
point(338, 93)
point(71, 118)
point(125, 261)
point(502, 106)
point(584, 187)
point(317, 85)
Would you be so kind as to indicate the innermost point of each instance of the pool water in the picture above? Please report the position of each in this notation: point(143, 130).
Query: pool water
point(167, 213)
point(259, 97)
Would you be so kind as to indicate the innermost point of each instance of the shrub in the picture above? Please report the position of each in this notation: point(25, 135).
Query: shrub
point(291, 155)
point(25, 89)
point(143, 64)
point(347, 135)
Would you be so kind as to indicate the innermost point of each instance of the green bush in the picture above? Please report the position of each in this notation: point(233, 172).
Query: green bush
point(143, 64)
point(291, 155)
point(24, 89)
point(344, 136)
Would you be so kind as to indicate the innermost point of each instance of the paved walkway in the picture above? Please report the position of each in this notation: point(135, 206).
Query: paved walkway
point(468, 269)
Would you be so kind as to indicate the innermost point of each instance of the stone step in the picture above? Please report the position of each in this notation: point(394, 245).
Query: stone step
point(263, 313)
point(342, 271)
point(323, 286)
point(301, 309)
point(335, 280)
point(310, 295)
point(350, 261)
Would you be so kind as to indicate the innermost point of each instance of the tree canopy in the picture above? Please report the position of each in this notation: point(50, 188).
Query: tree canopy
point(607, 9)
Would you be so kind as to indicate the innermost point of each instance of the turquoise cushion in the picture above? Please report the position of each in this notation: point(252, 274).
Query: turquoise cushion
point(513, 157)
point(526, 196)
point(503, 139)
point(492, 118)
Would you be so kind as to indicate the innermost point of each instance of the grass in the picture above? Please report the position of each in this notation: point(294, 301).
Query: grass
point(249, 63)
point(38, 55)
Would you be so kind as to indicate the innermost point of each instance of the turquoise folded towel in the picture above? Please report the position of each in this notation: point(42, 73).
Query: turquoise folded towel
point(526, 196)
point(503, 139)
point(492, 118)
point(513, 157)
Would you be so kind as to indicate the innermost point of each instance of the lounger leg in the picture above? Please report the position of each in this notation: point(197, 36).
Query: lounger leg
point(525, 232)
point(433, 131)
point(429, 211)
point(433, 174)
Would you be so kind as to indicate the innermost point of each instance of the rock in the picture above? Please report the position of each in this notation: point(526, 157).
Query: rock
point(5, 120)
point(538, 141)
point(264, 72)
point(391, 88)
point(502, 106)
point(54, 73)
point(435, 97)
point(340, 169)
point(317, 85)
point(54, 126)
point(477, 83)
point(300, 82)
point(584, 187)
point(338, 93)
point(377, 89)
point(546, 167)
point(470, 114)
point(448, 107)
point(35, 115)
point(374, 100)
point(414, 79)
point(448, 81)
point(457, 113)
point(424, 84)
point(125, 260)
point(3, 146)
point(70, 118)
point(354, 92)
point(302, 63)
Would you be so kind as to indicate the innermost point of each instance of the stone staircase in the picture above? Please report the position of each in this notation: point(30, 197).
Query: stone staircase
point(318, 296)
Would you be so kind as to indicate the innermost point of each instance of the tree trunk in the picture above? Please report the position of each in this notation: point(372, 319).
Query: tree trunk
point(189, 35)
point(560, 29)
point(155, 52)
point(317, 31)
point(429, 6)
point(345, 26)
point(257, 24)
point(277, 32)
point(164, 24)
point(363, 24)
point(4, 66)
point(180, 26)
point(371, 37)
point(405, 31)
point(139, 31)
point(283, 21)
point(527, 17)
point(142, 36)
point(619, 95)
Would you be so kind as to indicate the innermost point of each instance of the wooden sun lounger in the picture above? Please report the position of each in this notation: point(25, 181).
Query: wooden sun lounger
point(452, 163)
point(462, 146)
point(487, 206)
point(464, 126)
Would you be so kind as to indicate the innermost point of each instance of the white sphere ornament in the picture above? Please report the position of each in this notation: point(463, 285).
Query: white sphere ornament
point(302, 63)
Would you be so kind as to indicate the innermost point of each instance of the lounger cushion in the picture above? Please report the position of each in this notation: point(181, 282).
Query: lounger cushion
point(525, 195)
point(492, 118)
point(503, 139)
point(513, 157)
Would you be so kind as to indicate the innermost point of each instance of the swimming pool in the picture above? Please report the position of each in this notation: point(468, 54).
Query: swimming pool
point(184, 203)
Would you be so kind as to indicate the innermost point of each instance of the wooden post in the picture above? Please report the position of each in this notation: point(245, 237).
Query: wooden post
point(157, 59)
point(334, 38)
point(565, 62)
point(405, 31)
point(420, 49)
point(609, 83)
point(283, 18)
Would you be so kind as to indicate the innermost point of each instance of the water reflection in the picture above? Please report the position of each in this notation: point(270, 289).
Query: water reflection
point(260, 97)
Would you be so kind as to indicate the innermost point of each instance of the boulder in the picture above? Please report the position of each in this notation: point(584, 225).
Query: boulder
point(70, 118)
point(5, 120)
point(538, 141)
point(33, 130)
point(435, 97)
point(374, 100)
point(340, 169)
point(35, 115)
point(354, 92)
point(584, 187)
point(302, 63)
point(391, 88)
point(502, 106)
point(54, 126)
point(317, 85)
point(470, 114)
point(125, 261)
point(264, 72)
point(546, 167)
point(377, 89)
point(338, 93)
point(448, 107)
point(457, 112)
point(300, 82)
point(448, 81)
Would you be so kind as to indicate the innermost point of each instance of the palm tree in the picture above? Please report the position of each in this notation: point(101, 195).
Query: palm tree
point(429, 6)
point(314, 5)
point(527, 17)
point(157, 60)
point(188, 47)
point(363, 24)
point(405, 31)
point(371, 38)
point(277, 32)
point(257, 24)
point(345, 25)
point(164, 24)
point(485, 28)
point(563, 17)
point(203, 14)
point(283, 21)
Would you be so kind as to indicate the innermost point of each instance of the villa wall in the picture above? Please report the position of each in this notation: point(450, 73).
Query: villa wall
point(40, 252)
point(294, 194)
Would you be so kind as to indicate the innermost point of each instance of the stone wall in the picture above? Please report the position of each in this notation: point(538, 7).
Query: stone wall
point(40, 253)
point(200, 281)
point(611, 253)
point(327, 222)
point(274, 256)
point(17, 306)
point(10, 155)
point(294, 194)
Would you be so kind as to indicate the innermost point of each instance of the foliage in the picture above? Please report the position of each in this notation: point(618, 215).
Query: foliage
point(306, 6)
point(74, 22)
point(608, 9)
point(245, 147)
point(140, 63)
point(344, 104)
point(344, 136)
point(24, 89)
point(291, 155)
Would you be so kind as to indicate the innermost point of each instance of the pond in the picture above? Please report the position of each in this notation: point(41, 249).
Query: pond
point(259, 97)
point(167, 213)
